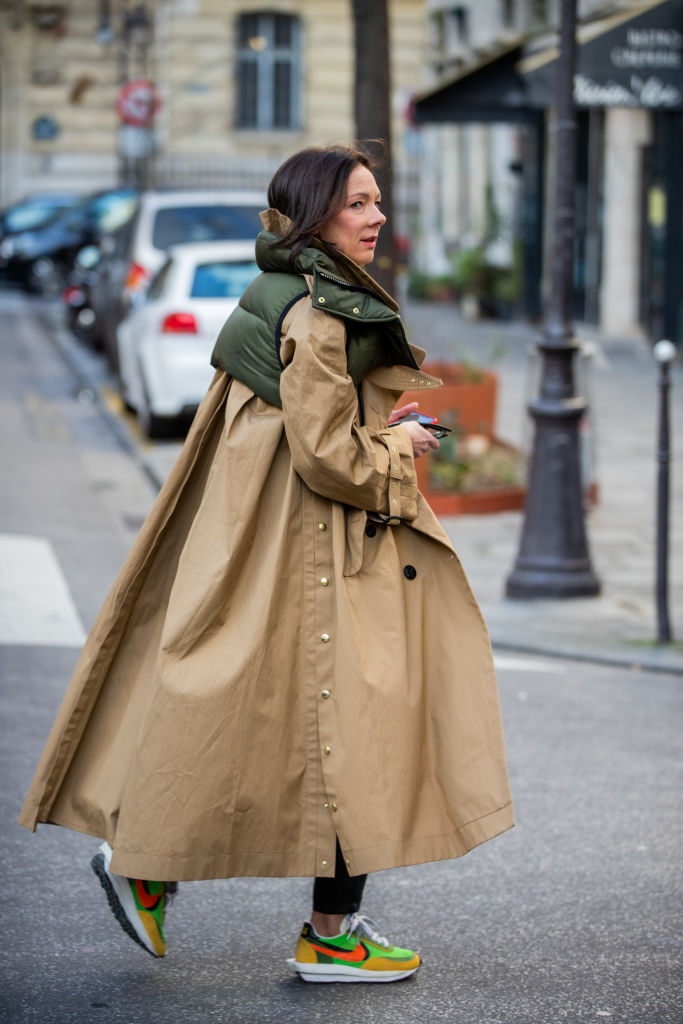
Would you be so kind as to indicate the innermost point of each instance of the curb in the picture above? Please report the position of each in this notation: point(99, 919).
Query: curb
point(610, 659)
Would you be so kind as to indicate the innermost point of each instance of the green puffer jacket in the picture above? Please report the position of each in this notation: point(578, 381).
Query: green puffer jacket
point(248, 346)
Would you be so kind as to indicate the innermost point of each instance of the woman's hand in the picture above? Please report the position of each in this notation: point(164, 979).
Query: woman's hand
point(422, 440)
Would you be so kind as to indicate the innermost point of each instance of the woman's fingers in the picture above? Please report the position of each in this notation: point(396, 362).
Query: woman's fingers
point(422, 440)
point(402, 410)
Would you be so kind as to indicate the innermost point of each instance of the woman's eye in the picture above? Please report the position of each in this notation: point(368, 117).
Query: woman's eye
point(357, 204)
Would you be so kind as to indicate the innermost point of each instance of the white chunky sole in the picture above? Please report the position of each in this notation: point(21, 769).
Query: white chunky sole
point(121, 899)
point(337, 972)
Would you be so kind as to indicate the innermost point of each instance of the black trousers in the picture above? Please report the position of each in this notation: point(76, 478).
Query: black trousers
point(341, 894)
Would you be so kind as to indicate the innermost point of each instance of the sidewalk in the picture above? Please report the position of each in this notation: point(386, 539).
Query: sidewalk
point(620, 624)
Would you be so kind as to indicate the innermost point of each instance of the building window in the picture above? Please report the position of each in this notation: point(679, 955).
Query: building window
point(507, 13)
point(268, 72)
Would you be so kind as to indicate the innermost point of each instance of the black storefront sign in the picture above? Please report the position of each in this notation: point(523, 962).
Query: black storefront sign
point(624, 61)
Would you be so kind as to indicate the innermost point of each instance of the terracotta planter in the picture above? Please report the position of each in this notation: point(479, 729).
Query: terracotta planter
point(466, 402)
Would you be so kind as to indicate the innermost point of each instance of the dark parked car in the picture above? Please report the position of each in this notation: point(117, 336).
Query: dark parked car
point(33, 211)
point(78, 311)
point(40, 258)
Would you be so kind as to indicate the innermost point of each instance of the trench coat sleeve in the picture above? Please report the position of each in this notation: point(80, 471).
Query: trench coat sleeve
point(335, 456)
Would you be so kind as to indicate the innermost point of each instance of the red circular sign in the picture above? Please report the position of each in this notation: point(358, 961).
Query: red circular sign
point(137, 102)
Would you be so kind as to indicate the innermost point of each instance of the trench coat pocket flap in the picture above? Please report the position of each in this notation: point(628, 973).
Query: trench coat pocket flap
point(355, 532)
point(403, 378)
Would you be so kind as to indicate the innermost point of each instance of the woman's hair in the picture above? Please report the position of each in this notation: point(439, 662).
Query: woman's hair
point(310, 187)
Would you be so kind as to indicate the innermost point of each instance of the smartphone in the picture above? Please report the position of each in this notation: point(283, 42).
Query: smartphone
point(429, 422)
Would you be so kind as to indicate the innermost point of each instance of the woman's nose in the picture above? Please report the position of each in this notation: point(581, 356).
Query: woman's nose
point(377, 217)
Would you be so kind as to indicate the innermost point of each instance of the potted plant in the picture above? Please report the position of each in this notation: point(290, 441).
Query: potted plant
point(472, 471)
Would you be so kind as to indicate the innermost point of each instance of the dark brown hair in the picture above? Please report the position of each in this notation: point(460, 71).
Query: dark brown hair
point(310, 187)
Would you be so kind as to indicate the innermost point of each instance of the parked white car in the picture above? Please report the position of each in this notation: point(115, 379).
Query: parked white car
point(165, 342)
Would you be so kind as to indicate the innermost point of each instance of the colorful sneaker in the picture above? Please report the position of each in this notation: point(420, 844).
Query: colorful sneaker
point(137, 905)
point(358, 953)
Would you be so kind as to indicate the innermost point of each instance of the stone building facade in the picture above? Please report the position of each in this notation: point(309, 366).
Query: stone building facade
point(240, 84)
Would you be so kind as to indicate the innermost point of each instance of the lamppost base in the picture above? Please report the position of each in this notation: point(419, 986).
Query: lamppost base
point(541, 581)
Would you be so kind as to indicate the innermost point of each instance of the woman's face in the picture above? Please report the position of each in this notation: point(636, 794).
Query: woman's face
point(355, 229)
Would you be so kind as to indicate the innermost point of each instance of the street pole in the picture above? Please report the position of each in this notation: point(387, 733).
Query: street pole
point(372, 114)
point(664, 352)
point(553, 559)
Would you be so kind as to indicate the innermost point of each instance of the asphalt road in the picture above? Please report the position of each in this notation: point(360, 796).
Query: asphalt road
point(575, 915)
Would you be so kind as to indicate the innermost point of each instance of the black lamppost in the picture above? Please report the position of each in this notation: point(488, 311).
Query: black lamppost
point(553, 559)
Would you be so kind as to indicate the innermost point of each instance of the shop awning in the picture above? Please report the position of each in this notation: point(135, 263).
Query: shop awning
point(492, 90)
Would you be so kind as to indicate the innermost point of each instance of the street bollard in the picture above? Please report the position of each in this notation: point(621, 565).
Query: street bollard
point(664, 352)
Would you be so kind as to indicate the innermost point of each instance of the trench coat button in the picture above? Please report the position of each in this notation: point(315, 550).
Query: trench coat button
point(356, 310)
point(325, 637)
point(321, 300)
point(322, 527)
point(326, 806)
point(370, 530)
point(410, 572)
point(327, 751)
point(324, 581)
point(333, 806)
point(325, 694)
point(324, 863)
point(412, 380)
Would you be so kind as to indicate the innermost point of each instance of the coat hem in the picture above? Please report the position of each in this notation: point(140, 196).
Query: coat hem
point(288, 864)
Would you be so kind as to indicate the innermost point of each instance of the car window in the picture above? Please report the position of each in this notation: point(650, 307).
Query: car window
point(112, 211)
point(175, 225)
point(224, 280)
point(27, 217)
point(157, 285)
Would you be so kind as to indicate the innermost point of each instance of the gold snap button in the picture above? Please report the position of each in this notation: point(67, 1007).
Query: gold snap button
point(324, 581)
point(321, 300)
point(326, 806)
point(324, 863)
point(322, 527)
point(334, 807)
point(327, 751)
point(325, 694)
point(325, 637)
point(356, 309)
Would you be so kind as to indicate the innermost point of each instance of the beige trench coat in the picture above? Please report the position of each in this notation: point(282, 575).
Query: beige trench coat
point(266, 674)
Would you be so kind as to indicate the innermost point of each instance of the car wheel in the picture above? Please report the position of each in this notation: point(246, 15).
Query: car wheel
point(156, 427)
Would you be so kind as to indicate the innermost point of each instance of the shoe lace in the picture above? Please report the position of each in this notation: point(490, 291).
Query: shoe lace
point(365, 926)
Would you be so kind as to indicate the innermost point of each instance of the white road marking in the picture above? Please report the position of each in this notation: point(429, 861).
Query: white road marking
point(514, 663)
point(36, 607)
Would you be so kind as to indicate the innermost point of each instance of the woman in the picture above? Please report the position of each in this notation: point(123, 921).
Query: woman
point(290, 675)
